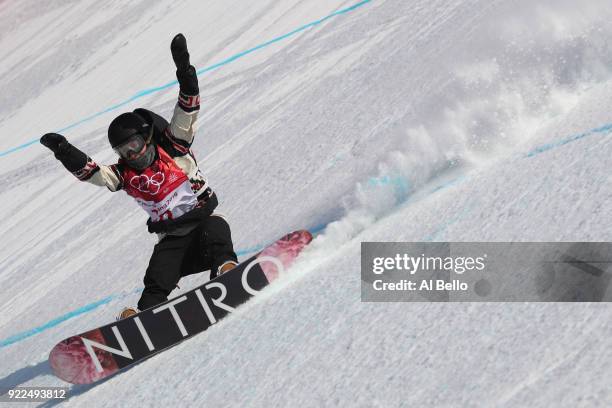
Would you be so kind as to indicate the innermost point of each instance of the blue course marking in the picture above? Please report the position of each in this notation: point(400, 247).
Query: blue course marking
point(92, 306)
point(605, 130)
point(52, 323)
point(160, 88)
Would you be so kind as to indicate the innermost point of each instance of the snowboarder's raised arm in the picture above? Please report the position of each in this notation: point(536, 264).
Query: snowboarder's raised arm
point(81, 165)
point(186, 110)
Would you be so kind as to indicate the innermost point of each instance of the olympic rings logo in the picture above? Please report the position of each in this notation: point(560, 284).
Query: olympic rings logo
point(147, 184)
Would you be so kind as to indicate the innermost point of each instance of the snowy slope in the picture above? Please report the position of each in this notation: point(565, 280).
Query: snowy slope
point(392, 121)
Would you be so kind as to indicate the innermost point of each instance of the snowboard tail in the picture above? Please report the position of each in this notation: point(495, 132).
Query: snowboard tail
point(99, 353)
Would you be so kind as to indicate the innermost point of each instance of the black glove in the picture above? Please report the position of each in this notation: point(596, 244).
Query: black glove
point(53, 141)
point(71, 157)
point(185, 72)
point(180, 55)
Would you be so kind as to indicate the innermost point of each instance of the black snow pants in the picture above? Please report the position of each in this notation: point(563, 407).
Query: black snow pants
point(207, 247)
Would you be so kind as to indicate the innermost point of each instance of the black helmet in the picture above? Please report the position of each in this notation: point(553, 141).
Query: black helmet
point(126, 125)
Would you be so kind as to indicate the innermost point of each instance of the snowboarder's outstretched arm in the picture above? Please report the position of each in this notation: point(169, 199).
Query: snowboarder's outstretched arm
point(81, 165)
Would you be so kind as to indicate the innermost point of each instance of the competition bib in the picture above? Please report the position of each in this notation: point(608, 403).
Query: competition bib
point(162, 189)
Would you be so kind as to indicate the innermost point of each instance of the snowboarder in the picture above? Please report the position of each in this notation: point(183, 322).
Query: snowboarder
point(158, 169)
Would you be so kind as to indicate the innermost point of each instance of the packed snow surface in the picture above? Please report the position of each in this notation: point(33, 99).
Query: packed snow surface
point(416, 120)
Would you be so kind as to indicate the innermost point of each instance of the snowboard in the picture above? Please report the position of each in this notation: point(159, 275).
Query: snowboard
point(101, 352)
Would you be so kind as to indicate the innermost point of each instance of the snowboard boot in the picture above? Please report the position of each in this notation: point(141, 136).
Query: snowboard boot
point(127, 312)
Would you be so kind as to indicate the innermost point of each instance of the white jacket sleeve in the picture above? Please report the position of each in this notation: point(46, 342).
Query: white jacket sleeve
point(106, 177)
point(181, 126)
point(103, 176)
point(183, 119)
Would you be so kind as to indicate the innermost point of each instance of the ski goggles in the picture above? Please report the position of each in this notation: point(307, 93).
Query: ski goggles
point(134, 147)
